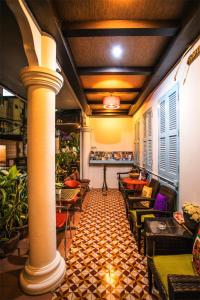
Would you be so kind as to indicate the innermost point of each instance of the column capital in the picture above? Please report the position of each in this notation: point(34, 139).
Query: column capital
point(41, 76)
point(86, 129)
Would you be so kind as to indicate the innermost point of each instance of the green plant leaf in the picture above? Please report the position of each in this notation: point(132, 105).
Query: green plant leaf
point(4, 194)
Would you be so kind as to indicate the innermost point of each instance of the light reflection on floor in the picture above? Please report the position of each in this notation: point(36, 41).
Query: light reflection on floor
point(103, 261)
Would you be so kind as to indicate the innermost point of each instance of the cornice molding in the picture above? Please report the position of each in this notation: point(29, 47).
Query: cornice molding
point(41, 76)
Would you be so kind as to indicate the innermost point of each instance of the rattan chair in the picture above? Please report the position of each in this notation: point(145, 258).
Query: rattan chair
point(174, 276)
point(137, 216)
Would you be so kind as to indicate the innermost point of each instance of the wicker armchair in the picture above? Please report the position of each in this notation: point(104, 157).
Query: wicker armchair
point(137, 216)
point(174, 276)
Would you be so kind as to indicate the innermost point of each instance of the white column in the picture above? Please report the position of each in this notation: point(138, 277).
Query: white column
point(45, 267)
point(86, 144)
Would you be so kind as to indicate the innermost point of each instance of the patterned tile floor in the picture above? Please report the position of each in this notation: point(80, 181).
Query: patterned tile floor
point(103, 261)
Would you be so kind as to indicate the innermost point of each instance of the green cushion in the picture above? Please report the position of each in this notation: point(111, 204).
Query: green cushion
point(134, 216)
point(147, 216)
point(180, 264)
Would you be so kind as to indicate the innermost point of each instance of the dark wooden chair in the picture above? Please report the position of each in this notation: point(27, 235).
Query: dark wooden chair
point(137, 216)
point(174, 276)
point(133, 198)
point(136, 202)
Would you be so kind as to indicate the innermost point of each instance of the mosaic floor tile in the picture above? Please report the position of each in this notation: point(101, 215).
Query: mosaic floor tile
point(103, 261)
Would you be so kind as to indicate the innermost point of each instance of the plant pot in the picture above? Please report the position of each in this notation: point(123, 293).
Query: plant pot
point(11, 244)
point(190, 224)
point(23, 231)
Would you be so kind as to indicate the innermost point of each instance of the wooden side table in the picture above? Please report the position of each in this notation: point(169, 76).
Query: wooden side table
point(169, 240)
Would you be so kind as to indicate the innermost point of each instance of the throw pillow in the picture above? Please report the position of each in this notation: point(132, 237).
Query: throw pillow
point(71, 184)
point(146, 192)
point(160, 202)
point(196, 253)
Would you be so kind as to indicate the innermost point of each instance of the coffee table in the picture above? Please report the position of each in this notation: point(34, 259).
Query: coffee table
point(169, 240)
point(134, 184)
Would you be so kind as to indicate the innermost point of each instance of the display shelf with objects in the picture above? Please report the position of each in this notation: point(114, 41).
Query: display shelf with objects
point(103, 158)
point(111, 157)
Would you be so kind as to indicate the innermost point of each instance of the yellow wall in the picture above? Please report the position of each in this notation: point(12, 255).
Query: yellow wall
point(110, 134)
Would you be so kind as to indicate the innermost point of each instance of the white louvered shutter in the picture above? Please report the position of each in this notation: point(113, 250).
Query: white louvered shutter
point(168, 135)
point(173, 134)
point(137, 142)
point(147, 142)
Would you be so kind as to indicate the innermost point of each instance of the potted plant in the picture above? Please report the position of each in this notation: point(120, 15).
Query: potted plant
point(191, 215)
point(64, 164)
point(13, 207)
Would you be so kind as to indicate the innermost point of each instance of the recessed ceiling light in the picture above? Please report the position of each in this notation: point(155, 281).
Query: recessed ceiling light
point(117, 51)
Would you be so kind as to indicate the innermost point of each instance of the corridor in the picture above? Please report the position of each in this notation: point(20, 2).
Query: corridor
point(103, 262)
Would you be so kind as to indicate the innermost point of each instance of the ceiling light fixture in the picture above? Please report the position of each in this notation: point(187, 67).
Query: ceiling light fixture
point(111, 102)
point(117, 51)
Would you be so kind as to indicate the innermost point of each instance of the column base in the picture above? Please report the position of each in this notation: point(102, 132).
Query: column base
point(36, 281)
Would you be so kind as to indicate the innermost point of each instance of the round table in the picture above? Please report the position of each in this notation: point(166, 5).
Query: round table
point(134, 184)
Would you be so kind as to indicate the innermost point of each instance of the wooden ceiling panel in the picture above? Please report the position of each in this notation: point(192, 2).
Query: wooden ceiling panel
point(100, 96)
point(137, 51)
point(87, 10)
point(115, 81)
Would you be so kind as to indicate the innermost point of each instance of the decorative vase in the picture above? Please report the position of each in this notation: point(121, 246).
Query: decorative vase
point(189, 223)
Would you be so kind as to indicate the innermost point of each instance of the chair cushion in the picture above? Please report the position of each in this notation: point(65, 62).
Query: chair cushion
point(180, 264)
point(60, 219)
point(196, 253)
point(160, 202)
point(71, 183)
point(134, 216)
point(146, 192)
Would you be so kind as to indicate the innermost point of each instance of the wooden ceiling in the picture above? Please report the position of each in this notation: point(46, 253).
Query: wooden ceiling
point(152, 34)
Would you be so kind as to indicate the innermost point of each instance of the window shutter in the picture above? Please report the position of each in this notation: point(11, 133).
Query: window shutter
point(147, 143)
point(168, 135)
point(137, 142)
point(173, 134)
point(162, 138)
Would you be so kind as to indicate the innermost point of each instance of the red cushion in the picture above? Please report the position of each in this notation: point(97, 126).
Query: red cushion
point(75, 198)
point(60, 219)
point(71, 183)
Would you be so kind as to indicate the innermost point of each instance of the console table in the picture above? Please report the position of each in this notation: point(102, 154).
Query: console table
point(169, 240)
point(109, 162)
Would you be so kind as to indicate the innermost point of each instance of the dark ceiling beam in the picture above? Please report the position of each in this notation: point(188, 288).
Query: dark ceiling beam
point(188, 33)
point(119, 28)
point(112, 90)
point(45, 16)
point(97, 102)
point(115, 70)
